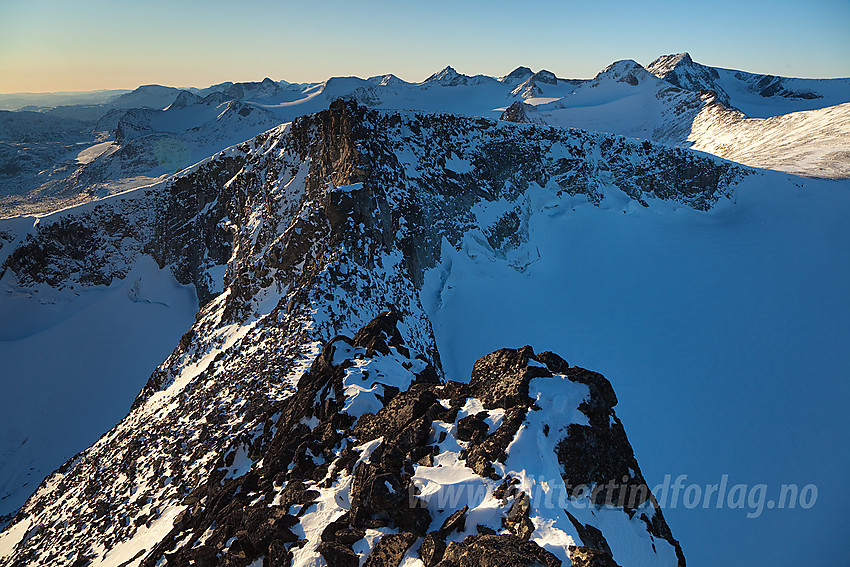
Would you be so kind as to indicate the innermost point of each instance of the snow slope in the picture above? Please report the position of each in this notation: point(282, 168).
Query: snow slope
point(625, 99)
point(723, 332)
point(73, 360)
point(813, 143)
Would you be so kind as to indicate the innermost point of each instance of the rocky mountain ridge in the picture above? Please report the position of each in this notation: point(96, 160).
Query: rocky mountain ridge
point(738, 89)
point(366, 475)
point(321, 224)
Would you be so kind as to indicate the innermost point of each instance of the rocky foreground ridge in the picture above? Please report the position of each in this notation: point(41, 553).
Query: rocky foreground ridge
point(319, 227)
point(365, 457)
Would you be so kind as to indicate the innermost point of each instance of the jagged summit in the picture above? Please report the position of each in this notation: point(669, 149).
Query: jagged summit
point(544, 85)
point(251, 90)
point(520, 112)
point(446, 75)
point(386, 485)
point(667, 63)
point(449, 77)
point(683, 72)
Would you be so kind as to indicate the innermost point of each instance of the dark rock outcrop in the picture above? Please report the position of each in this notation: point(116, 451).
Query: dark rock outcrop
point(312, 451)
point(516, 112)
point(497, 551)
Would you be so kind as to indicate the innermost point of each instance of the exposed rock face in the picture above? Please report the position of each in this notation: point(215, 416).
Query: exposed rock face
point(516, 112)
point(680, 70)
point(545, 77)
point(331, 476)
point(588, 557)
point(388, 80)
point(322, 225)
point(625, 71)
point(497, 551)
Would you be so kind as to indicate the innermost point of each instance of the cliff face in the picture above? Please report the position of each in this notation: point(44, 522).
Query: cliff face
point(310, 231)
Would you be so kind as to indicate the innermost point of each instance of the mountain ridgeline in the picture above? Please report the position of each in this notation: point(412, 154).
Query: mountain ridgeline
point(56, 157)
point(308, 403)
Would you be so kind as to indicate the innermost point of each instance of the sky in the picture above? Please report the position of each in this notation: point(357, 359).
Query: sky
point(57, 45)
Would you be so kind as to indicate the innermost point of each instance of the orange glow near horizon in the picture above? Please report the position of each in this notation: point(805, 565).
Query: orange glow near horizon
point(58, 46)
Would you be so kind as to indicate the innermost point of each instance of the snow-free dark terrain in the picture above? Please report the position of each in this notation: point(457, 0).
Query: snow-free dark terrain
point(346, 298)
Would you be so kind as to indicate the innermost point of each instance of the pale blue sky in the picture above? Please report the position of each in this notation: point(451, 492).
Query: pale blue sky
point(59, 45)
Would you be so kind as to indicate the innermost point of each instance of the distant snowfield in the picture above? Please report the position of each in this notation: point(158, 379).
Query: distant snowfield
point(73, 363)
point(91, 153)
point(724, 334)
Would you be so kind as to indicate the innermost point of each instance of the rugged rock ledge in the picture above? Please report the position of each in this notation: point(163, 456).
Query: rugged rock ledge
point(327, 477)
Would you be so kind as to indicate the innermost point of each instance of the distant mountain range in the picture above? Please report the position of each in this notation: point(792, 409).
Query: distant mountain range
point(59, 155)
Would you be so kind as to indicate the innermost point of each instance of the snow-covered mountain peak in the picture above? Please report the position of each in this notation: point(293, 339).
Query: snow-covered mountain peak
point(388, 80)
point(542, 87)
point(756, 95)
point(517, 75)
point(449, 77)
point(683, 72)
point(623, 71)
point(254, 90)
point(147, 96)
point(545, 77)
point(667, 63)
point(184, 99)
point(446, 75)
point(625, 99)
